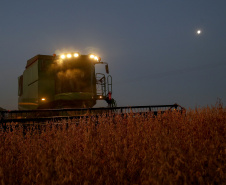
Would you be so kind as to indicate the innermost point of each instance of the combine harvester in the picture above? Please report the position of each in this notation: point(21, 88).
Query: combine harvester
point(66, 86)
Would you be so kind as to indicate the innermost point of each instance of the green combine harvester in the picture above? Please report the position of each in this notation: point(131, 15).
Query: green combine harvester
point(67, 87)
point(65, 81)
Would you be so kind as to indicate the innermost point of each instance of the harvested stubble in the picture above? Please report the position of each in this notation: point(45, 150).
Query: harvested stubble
point(172, 148)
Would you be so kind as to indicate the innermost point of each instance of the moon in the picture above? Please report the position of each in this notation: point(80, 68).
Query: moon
point(199, 32)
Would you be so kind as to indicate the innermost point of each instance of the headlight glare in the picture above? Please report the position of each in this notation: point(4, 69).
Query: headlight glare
point(92, 56)
point(62, 56)
point(69, 55)
point(76, 54)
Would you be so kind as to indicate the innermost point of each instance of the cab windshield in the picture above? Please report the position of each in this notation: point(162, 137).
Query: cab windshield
point(73, 80)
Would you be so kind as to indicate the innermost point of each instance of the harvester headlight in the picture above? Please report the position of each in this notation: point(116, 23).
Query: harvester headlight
point(92, 56)
point(76, 54)
point(62, 56)
point(69, 55)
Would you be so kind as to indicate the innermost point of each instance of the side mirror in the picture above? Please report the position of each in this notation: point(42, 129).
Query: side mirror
point(107, 69)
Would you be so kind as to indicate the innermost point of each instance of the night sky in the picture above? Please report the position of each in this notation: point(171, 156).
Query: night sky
point(154, 54)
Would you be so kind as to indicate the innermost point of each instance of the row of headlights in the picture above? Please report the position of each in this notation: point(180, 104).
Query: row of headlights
point(75, 55)
point(69, 55)
point(94, 57)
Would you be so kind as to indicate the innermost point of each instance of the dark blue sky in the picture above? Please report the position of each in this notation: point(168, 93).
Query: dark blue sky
point(153, 51)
